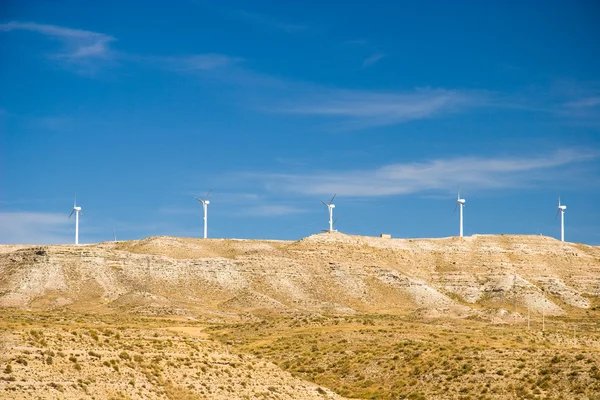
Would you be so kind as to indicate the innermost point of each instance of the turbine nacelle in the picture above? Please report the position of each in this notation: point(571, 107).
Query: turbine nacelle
point(330, 206)
point(461, 201)
point(562, 208)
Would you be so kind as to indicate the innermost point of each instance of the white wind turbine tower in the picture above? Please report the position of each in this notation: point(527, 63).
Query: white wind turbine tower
point(330, 206)
point(561, 210)
point(77, 211)
point(205, 204)
point(460, 202)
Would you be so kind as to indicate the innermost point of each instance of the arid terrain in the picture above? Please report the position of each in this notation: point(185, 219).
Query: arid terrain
point(330, 316)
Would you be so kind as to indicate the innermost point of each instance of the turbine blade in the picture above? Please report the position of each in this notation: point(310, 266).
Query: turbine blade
point(75, 200)
point(455, 207)
point(331, 201)
point(335, 221)
point(72, 211)
point(198, 199)
point(209, 192)
point(557, 213)
point(327, 205)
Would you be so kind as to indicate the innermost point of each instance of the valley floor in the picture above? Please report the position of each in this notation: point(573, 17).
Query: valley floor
point(301, 356)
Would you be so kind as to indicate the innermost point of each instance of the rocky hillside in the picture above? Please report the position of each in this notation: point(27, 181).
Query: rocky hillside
point(484, 276)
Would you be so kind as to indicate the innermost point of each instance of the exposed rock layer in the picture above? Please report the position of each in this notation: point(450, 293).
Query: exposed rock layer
point(325, 273)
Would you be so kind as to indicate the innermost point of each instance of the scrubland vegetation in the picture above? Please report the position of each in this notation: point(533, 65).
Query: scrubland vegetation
point(393, 357)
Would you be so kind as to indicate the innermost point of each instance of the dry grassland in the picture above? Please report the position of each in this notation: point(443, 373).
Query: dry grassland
point(329, 317)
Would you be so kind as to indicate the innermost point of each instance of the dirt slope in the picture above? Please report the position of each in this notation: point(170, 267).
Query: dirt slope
point(329, 273)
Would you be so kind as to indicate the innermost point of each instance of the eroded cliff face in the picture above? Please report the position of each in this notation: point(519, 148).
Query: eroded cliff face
point(330, 273)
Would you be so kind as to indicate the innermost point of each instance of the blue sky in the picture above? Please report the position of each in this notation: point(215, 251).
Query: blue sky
point(276, 106)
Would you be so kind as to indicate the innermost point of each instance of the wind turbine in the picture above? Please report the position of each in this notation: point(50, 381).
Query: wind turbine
point(561, 210)
point(330, 206)
point(77, 211)
point(460, 202)
point(205, 204)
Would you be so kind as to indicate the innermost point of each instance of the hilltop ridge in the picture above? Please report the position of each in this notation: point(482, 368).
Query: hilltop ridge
point(324, 273)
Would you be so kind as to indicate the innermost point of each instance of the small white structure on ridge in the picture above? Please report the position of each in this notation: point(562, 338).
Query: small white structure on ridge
point(330, 206)
point(77, 211)
point(205, 204)
point(460, 202)
point(561, 210)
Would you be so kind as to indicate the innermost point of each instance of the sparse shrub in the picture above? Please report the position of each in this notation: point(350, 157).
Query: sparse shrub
point(94, 354)
point(57, 386)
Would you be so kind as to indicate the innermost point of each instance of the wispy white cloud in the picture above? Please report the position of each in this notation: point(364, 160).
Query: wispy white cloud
point(207, 61)
point(84, 52)
point(269, 210)
point(438, 175)
point(588, 102)
point(372, 59)
point(271, 22)
point(187, 63)
point(356, 42)
point(582, 111)
point(35, 228)
point(79, 44)
point(376, 54)
point(362, 109)
point(575, 102)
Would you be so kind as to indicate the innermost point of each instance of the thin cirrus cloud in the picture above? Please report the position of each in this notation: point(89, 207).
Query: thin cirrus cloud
point(584, 103)
point(362, 109)
point(186, 63)
point(432, 176)
point(79, 44)
point(373, 59)
point(345, 109)
point(34, 227)
point(83, 49)
point(270, 210)
point(262, 210)
point(584, 111)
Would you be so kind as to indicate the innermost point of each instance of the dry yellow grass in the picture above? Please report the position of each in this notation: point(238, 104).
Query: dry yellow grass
point(371, 318)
